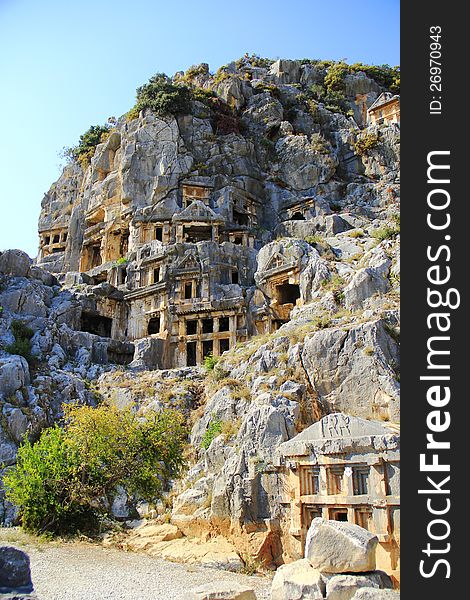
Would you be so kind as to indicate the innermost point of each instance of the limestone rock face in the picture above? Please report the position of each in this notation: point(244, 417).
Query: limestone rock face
point(297, 581)
point(301, 165)
point(353, 370)
point(15, 263)
point(255, 233)
point(337, 547)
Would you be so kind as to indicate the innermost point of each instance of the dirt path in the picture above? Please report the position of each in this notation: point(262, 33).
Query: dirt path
point(76, 571)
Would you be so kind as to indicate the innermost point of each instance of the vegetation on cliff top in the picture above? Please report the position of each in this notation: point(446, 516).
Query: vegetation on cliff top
point(166, 96)
point(64, 481)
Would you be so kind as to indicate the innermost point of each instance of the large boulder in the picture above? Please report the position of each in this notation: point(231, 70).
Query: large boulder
point(15, 572)
point(338, 547)
point(218, 590)
point(297, 581)
point(15, 263)
point(343, 587)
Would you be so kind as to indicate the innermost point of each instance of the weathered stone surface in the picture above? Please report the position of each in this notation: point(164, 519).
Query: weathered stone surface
point(301, 166)
point(249, 200)
point(343, 587)
point(370, 593)
point(221, 591)
point(357, 365)
point(337, 547)
point(15, 573)
point(14, 375)
point(297, 581)
point(15, 263)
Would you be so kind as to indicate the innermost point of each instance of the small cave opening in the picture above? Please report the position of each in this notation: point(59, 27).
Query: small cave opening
point(297, 216)
point(97, 324)
point(120, 358)
point(153, 326)
point(287, 293)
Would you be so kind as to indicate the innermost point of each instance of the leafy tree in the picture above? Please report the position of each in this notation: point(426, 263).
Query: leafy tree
point(63, 482)
point(84, 151)
point(163, 97)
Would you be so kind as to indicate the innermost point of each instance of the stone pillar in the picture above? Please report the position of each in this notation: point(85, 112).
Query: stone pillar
point(179, 233)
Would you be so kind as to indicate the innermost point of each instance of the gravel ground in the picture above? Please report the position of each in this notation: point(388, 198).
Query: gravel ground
point(76, 571)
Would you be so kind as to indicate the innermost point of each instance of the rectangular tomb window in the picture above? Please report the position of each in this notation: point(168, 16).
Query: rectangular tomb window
point(360, 480)
point(338, 514)
point(64, 237)
point(207, 325)
point(156, 275)
point(238, 239)
point(335, 479)
point(224, 324)
point(191, 354)
point(310, 512)
point(47, 240)
point(363, 517)
point(234, 276)
point(159, 233)
point(188, 290)
point(309, 480)
point(154, 325)
point(191, 327)
point(95, 256)
point(56, 239)
point(224, 345)
point(207, 348)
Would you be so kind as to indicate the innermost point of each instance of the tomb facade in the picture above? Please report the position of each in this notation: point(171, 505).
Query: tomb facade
point(385, 110)
point(346, 469)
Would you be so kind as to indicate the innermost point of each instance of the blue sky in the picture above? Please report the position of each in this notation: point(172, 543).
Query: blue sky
point(65, 66)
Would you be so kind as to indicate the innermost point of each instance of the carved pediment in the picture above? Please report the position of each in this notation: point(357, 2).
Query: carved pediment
point(276, 261)
point(190, 262)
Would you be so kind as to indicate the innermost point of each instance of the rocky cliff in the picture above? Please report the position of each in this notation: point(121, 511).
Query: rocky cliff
point(256, 231)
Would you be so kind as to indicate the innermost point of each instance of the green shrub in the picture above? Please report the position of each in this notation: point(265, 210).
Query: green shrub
point(210, 361)
point(385, 233)
point(213, 430)
point(21, 330)
point(84, 151)
point(63, 482)
point(22, 343)
point(334, 79)
point(163, 97)
point(121, 261)
point(365, 142)
point(132, 114)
